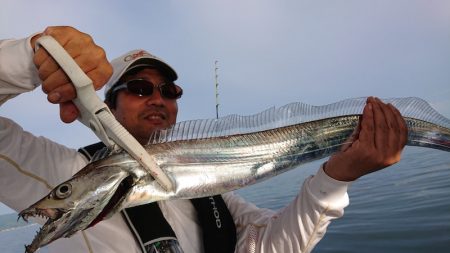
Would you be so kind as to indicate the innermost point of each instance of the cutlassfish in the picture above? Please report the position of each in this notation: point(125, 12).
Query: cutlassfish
point(214, 156)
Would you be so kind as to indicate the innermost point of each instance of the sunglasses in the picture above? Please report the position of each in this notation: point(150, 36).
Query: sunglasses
point(142, 87)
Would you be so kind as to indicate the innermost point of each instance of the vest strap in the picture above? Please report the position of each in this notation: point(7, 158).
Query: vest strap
point(219, 230)
point(148, 225)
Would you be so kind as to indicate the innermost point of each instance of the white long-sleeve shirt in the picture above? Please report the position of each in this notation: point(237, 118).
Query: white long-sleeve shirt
point(31, 166)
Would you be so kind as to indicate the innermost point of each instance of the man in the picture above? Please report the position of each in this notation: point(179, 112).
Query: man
point(31, 166)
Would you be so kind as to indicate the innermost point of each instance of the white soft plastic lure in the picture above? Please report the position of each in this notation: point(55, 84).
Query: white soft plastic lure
point(214, 156)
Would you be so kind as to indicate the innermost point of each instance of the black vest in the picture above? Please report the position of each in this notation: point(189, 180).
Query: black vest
point(149, 226)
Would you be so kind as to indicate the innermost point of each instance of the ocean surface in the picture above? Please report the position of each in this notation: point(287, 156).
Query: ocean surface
point(405, 208)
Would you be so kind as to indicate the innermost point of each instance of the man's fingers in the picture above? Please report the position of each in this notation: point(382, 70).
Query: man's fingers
point(47, 65)
point(64, 93)
point(46, 69)
point(402, 130)
point(391, 137)
point(100, 75)
point(54, 76)
point(389, 116)
point(56, 80)
point(367, 135)
point(381, 127)
point(40, 56)
point(62, 34)
point(90, 57)
point(68, 112)
point(353, 137)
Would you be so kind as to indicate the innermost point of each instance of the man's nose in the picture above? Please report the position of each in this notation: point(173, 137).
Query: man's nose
point(156, 98)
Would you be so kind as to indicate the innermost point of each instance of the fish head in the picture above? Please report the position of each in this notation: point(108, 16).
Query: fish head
point(78, 203)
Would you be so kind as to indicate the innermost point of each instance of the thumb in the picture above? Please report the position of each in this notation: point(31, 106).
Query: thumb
point(352, 138)
point(68, 112)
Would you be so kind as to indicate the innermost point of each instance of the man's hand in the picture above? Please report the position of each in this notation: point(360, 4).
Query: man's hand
point(55, 83)
point(376, 144)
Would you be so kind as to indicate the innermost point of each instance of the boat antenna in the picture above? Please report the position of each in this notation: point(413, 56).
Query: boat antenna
point(216, 68)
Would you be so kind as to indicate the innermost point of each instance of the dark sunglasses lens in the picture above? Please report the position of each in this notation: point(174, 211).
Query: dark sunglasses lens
point(145, 88)
point(171, 91)
point(140, 87)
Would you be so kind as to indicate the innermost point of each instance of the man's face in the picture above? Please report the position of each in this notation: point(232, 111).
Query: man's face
point(141, 116)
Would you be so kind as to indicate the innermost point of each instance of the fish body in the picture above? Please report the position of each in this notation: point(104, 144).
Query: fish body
point(209, 157)
point(214, 166)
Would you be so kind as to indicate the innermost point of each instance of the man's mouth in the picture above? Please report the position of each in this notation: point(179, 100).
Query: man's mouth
point(155, 117)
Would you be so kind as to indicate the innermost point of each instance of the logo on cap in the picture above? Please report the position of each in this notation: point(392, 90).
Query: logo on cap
point(132, 57)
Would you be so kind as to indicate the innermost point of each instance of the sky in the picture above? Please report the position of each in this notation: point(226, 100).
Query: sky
point(268, 52)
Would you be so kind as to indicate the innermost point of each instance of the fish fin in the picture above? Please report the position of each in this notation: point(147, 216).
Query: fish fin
point(290, 114)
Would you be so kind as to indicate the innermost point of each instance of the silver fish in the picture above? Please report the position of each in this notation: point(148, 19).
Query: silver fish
point(209, 157)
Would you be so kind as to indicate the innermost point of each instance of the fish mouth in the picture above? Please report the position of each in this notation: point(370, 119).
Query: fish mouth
point(116, 199)
point(52, 215)
point(49, 214)
point(65, 222)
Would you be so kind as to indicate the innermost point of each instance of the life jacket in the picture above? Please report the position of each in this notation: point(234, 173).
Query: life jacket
point(154, 234)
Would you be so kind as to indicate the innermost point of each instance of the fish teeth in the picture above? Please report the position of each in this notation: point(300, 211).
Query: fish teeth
point(35, 213)
point(29, 249)
point(24, 217)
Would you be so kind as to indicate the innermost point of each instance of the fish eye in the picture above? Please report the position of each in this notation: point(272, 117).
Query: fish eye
point(63, 191)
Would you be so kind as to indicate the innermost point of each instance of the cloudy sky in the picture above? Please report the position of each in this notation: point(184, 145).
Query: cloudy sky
point(269, 52)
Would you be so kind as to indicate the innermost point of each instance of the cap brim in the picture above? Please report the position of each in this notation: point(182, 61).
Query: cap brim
point(165, 70)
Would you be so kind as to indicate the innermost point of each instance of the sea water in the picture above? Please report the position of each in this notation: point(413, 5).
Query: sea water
point(405, 208)
point(402, 209)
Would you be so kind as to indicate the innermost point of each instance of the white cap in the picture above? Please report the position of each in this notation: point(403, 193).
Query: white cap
point(134, 59)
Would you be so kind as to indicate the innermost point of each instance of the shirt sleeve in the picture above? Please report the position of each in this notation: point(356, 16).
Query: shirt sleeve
point(18, 73)
point(30, 166)
point(296, 228)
